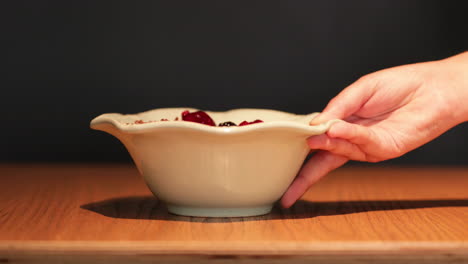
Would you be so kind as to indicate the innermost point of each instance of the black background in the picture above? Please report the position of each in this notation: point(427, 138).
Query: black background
point(64, 62)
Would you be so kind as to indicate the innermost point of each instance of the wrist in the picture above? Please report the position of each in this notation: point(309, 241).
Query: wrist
point(456, 70)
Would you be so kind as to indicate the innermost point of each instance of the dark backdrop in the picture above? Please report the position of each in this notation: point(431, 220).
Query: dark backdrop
point(65, 62)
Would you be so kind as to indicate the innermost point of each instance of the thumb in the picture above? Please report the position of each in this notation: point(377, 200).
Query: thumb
point(348, 101)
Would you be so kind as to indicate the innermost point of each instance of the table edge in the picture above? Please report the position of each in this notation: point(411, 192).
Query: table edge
point(232, 248)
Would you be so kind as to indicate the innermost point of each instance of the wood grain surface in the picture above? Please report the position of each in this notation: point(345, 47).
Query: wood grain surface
point(100, 213)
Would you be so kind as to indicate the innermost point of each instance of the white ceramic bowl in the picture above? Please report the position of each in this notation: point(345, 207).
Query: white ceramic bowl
point(200, 170)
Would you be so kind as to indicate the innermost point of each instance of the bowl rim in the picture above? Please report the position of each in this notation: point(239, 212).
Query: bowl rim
point(113, 119)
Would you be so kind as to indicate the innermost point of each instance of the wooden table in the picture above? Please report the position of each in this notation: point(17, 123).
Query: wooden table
point(105, 214)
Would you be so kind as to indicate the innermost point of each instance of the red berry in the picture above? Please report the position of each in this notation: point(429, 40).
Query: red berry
point(198, 117)
point(244, 123)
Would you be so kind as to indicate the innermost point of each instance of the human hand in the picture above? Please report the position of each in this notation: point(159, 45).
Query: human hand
point(385, 115)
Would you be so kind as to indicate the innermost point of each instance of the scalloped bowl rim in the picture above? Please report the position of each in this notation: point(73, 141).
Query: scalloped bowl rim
point(293, 123)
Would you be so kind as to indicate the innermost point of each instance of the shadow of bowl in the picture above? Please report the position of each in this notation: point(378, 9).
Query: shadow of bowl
point(150, 208)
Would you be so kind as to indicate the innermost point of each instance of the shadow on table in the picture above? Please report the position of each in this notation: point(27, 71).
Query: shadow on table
point(149, 207)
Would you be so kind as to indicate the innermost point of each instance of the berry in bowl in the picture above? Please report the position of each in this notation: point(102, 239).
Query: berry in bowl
point(215, 164)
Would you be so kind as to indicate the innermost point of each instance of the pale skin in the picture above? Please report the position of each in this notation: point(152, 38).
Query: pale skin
point(385, 115)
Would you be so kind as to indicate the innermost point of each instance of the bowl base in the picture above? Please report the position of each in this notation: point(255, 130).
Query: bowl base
point(219, 212)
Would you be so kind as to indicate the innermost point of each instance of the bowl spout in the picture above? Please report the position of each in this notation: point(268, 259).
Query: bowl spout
point(109, 123)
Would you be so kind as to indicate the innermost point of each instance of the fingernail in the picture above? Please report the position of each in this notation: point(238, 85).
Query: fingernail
point(316, 120)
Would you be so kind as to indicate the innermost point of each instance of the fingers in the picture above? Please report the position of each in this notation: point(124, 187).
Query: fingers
point(354, 133)
point(318, 166)
point(348, 101)
point(346, 139)
point(337, 146)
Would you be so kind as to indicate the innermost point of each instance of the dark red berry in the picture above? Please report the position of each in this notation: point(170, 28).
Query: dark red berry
point(227, 123)
point(198, 117)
